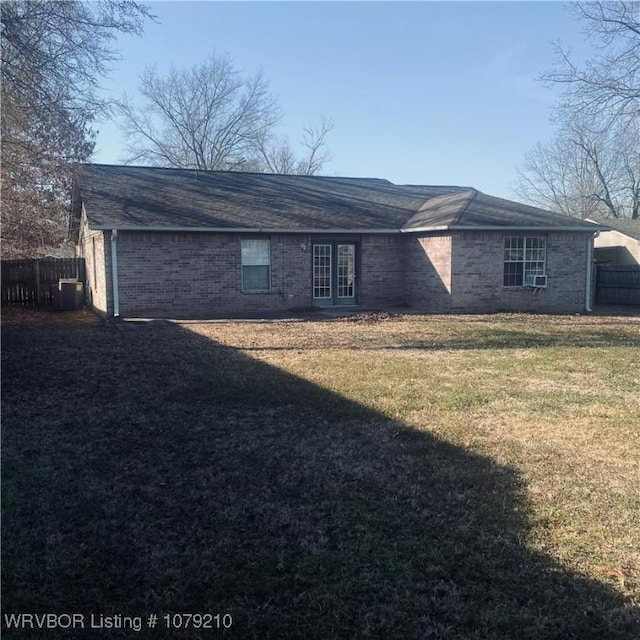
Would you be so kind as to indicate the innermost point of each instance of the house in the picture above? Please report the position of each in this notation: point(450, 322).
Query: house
point(619, 243)
point(177, 242)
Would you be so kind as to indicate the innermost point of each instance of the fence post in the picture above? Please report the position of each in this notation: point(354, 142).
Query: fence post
point(36, 266)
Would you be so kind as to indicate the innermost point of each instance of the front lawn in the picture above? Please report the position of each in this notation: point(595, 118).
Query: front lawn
point(383, 476)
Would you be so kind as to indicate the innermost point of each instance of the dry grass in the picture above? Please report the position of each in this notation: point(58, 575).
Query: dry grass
point(373, 477)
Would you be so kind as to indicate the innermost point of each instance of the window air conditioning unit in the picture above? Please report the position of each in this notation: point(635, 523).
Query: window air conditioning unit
point(537, 281)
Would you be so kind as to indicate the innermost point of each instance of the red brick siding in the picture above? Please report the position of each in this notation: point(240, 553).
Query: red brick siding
point(188, 274)
point(477, 275)
point(97, 258)
point(381, 277)
point(428, 272)
point(197, 273)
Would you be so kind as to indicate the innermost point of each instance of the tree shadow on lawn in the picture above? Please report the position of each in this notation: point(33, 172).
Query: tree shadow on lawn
point(155, 471)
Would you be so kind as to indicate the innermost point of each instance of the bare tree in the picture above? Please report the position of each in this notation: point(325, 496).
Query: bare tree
point(553, 177)
point(37, 148)
point(277, 156)
point(211, 117)
point(585, 173)
point(314, 139)
point(631, 171)
point(592, 166)
point(53, 54)
point(609, 83)
point(206, 117)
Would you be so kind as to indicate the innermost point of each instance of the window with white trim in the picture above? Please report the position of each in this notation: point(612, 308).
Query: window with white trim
point(524, 257)
point(256, 264)
point(322, 271)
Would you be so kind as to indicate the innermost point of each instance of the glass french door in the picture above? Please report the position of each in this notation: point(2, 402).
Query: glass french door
point(322, 281)
point(334, 273)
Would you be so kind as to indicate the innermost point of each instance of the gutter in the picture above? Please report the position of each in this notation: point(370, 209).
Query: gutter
point(315, 230)
point(588, 294)
point(503, 228)
point(114, 272)
point(319, 231)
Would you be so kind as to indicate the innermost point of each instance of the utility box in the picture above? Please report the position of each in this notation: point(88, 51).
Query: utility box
point(70, 294)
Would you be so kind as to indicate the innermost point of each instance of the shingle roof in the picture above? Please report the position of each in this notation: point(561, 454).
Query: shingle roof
point(627, 226)
point(473, 209)
point(157, 198)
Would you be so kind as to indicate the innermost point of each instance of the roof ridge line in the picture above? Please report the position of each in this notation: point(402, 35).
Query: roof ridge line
point(432, 198)
point(229, 171)
point(466, 206)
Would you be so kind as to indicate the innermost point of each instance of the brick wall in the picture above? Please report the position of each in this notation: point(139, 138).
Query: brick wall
point(382, 271)
point(427, 263)
point(194, 273)
point(185, 274)
point(190, 274)
point(477, 275)
point(98, 269)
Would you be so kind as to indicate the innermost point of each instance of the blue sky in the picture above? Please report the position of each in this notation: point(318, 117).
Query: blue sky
point(418, 92)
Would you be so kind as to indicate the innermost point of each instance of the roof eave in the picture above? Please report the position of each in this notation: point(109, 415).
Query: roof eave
point(509, 228)
point(315, 230)
point(350, 231)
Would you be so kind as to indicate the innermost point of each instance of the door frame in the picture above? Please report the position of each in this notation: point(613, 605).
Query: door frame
point(333, 300)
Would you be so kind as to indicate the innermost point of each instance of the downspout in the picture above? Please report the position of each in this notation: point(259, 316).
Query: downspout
point(588, 297)
point(114, 272)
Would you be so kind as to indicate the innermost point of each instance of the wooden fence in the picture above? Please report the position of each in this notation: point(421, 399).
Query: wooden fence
point(618, 284)
point(34, 282)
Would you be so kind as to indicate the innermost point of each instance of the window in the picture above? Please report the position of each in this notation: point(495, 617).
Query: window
point(346, 268)
point(523, 258)
point(322, 271)
point(256, 265)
